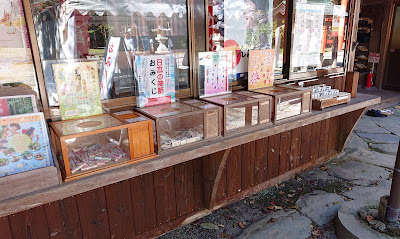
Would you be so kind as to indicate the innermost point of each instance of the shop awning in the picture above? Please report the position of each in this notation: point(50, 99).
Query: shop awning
point(116, 7)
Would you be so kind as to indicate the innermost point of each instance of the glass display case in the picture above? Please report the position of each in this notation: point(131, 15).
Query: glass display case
point(288, 101)
point(177, 124)
point(242, 111)
point(93, 144)
point(213, 117)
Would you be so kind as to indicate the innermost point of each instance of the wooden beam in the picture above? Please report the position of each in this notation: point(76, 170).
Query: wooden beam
point(386, 30)
point(222, 164)
point(178, 156)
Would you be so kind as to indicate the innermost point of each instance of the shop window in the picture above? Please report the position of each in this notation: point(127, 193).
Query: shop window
point(243, 25)
point(318, 35)
point(82, 30)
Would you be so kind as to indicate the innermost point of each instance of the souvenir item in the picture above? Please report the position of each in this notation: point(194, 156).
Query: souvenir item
point(78, 89)
point(92, 144)
point(156, 79)
point(24, 144)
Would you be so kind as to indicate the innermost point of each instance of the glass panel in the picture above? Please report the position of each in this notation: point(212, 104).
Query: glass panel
point(241, 116)
point(166, 110)
point(92, 30)
point(288, 106)
point(240, 25)
point(181, 131)
point(98, 150)
point(85, 125)
point(318, 35)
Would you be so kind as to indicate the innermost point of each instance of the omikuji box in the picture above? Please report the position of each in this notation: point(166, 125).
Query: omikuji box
point(241, 111)
point(288, 101)
point(93, 144)
point(213, 117)
point(178, 124)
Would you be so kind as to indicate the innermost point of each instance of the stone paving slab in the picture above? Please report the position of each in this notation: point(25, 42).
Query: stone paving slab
point(321, 207)
point(379, 138)
point(356, 142)
point(385, 148)
point(371, 192)
point(280, 224)
point(369, 126)
point(373, 157)
point(357, 173)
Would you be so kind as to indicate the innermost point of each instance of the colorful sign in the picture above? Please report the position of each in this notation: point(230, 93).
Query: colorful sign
point(24, 144)
point(78, 89)
point(374, 57)
point(308, 32)
point(261, 68)
point(155, 75)
point(15, 54)
point(110, 61)
point(214, 71)
point(15, 105)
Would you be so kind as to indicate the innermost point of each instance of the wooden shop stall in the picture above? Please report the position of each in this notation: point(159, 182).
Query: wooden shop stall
point(178, 135)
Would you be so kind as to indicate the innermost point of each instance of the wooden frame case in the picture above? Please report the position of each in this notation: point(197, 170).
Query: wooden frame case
point(233, 104)
point(179, 124)
point(137, 142)
point(295, 101)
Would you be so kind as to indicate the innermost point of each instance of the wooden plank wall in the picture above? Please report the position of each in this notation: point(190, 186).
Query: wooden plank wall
point(154, 203)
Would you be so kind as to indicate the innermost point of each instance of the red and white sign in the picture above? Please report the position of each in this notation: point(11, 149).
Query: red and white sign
point(374, 57)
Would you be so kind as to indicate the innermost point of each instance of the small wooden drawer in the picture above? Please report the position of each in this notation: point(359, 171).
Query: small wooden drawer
point(94, 144)
point(288, 101)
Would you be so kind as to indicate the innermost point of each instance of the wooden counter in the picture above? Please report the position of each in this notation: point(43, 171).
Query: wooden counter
point(205, 175)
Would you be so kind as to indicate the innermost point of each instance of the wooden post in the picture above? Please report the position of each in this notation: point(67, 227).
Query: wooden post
point(352, 83)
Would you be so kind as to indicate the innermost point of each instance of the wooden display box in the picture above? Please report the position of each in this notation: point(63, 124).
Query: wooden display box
point(323, 102)
point(213, 117)
point(178, 124)
point(241, 111)
point(97, 143)
point(288, 101)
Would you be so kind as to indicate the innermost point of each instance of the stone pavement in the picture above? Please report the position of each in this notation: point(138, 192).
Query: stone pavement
point(366, 168)
point(308, 203)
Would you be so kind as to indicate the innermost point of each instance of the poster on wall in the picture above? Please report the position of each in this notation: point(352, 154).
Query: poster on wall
point(214, 70)
point(155, 76)
point(78, 89)
point(308, 30)
point(19, 104)
point(15, 54)
point(24, 144)
point(261, 68)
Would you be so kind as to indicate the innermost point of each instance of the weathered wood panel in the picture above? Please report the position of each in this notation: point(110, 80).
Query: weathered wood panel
point(198, 183)
point(305, 144)
point(63, 219)
point(258, 162)
point(93, 215)
point(144, 205)
point(120, 210)
point(234, 170)
point(164, 188)
point(273, 155)
point(5, 228)
point(315, 140)
point(295, 148)
point(285, 147)
point(333, 135)
point(29, 224)
point(184, 188)
point(323, 140)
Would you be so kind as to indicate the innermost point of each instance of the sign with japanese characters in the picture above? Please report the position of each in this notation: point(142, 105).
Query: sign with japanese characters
point(261, 68)
point(156, 79)
point(110, 61)
point(78, 89)
point(374, 57)
point(214, 72)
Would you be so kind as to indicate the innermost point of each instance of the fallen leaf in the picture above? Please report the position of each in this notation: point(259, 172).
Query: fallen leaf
point(220, 225)
point(241, 225)
point(210, 226)
point(234, 225)
point(281, 192)
point(323, 168)
point(299, 179)
point(397, 107)
point(364, 171)
point(251, 202)
point(295, 207)
point(272, 203)
point(335, 203)
point(225, 235)
point(369, 218)
point(376, 183)
point(276, 185)
point(272, 208)
point(272, 220)
point(290, 195)
point(300, 189)
point(282, 185)
point(349, 189)
point(278, 208)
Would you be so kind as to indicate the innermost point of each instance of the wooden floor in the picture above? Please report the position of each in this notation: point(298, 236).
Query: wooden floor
point(388, 97)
